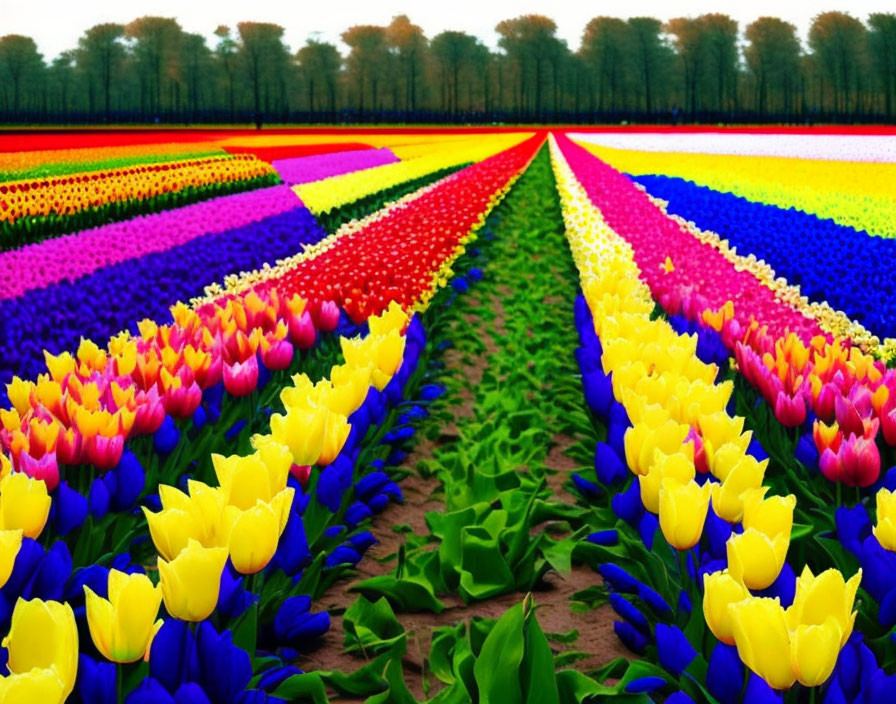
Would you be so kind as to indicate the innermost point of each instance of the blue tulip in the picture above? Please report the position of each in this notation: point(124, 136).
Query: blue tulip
point(165, 439)
point(273, 678)
point(363, 541)
point(853, 526)
point(806, 453)
point(94, 576)
point(758, 452)
point(679, 698)
point(98, 499)
point(333, 482)
point(370, 484)
point(131, 479)
point(784, 587)
point(586, 488)
point(47, 582)
point(684, 603)
point(608, 466)
point(652, 598)
point(150, 691)
point(173, 658)
point(717, 532)
point(96, 681)
point(631, 637)
point(673, 648)
point(296, 626)
point(292, 550)
point(758, 692)
point(343, 555)
point(627, 504)
point(648, 525)
point(878, 568)
point(603, 537)
point(69, 509)
point(191, 693)
point(233, 599)
point(725, 674)
point(357, 513)
point(629, 612)
point(225, 669)
point(645, 684)
point(618, 578)
point(431, 392)
point(598, 389)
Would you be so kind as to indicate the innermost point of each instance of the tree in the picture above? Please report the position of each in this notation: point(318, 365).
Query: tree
point(689, 46)
point(773, 56)
point(452, 52)
point(264, 58)
point(839, 43)
point(21, 67)
point(607, 50)
point(226, 55)
point(408, 43)
point(320, 63)
point(651, 56)
point(531, 42)
point(100, 56)
point(882, 51)
point(719, 39)
point(366, 62)
point(156, 53)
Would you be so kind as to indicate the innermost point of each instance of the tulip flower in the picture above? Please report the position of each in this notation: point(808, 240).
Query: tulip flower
point(677, 465)
point(885, 530)
point(335, 434)
point(790, 410)
point(814, 650)
point(328, 316)
point(259, 476)
point(37, 685)
point(823, 596)
point(755, 559)
point(772, 515)
point(856, 463)
point(122, 625)
point(682, 511)
point(24, 504)
point(302, 431)
point(191, 581)
point(255, 532)
point(46, 468)
point(241, 378)
point(760, 632)
point(276, 354)
point(10, 543)
point(720, 590)
point(727, 497)
point(43, 636)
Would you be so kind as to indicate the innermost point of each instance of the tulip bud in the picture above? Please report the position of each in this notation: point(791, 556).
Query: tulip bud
point(772, 515)
point(302, 431)
point(727, 497)
point(191, 582)
point(763, 640)
point(682, 510)
point(24, 504)
point(720, 590)
point(335, 434)
point(43, 635)
point(826, 595)
point(122, 625)
point(885, 530)
point(255, 533)
point(328, 316)
point(755, 559)
point(814, 651)
point(241, 378)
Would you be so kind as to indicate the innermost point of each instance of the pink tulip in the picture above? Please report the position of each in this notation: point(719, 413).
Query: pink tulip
point(241, 378)
point(104, 453)
point(790, 410)
point(46, 468)
point(276, 354)
point(302, 331)
point(183, 401)
point(848, 417)
point(328, 316)
point(150, 412)
point(301, 473)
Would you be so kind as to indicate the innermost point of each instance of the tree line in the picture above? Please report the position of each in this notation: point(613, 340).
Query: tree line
point(700, 69)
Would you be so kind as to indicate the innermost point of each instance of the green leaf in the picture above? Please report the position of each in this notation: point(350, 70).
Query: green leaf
point(307, 687)
point(246, 630)
point(484, 572)
point(497, 667)
point(407, 594)
point(372, 626)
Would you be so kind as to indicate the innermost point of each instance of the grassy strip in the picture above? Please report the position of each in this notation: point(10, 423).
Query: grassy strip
point(29, 230)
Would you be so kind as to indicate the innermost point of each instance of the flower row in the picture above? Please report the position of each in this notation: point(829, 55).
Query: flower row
point(300, 170)
point(322, 196)
point(667, 422)
point(855, 194)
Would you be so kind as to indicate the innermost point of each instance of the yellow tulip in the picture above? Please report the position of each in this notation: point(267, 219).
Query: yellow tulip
point(720, 590)
point(393, 318)
point(824, 596)
point(727, 497)
point(335, 434)
point(170, 530)
point(122, 625)
point(18, 391)
point(683, 508)
point(37, 685)
point(678, 466)
point(814, 651)
point(43, 635)
point(24, 504)
point(641, 441)
point(763, 640)
point(10, 543)
point(302, 431)
point(722, 458)
point(885, 530)
point(770, 515)
point(755, 559)
point(192, 580)
point(259, 476)
point(299, 394)
point(255, 533)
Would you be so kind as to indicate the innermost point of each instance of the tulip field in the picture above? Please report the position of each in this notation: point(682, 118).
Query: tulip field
point(491, 416)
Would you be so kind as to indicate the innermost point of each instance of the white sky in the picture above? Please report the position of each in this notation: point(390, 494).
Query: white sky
point(56, 24)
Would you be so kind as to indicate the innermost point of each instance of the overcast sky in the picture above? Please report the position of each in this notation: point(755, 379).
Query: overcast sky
point(56, 24)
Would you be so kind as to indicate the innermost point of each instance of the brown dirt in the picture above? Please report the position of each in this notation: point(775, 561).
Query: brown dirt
point(595, 628)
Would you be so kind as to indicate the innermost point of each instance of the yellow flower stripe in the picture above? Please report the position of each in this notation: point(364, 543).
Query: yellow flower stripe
point(856, 194)
point(329, 193)
point(668, 394)
point(64, 195)
point(829, 319)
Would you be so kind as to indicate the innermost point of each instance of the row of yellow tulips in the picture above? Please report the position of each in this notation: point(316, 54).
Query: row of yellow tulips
point(197, 531)
point(674, 405)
